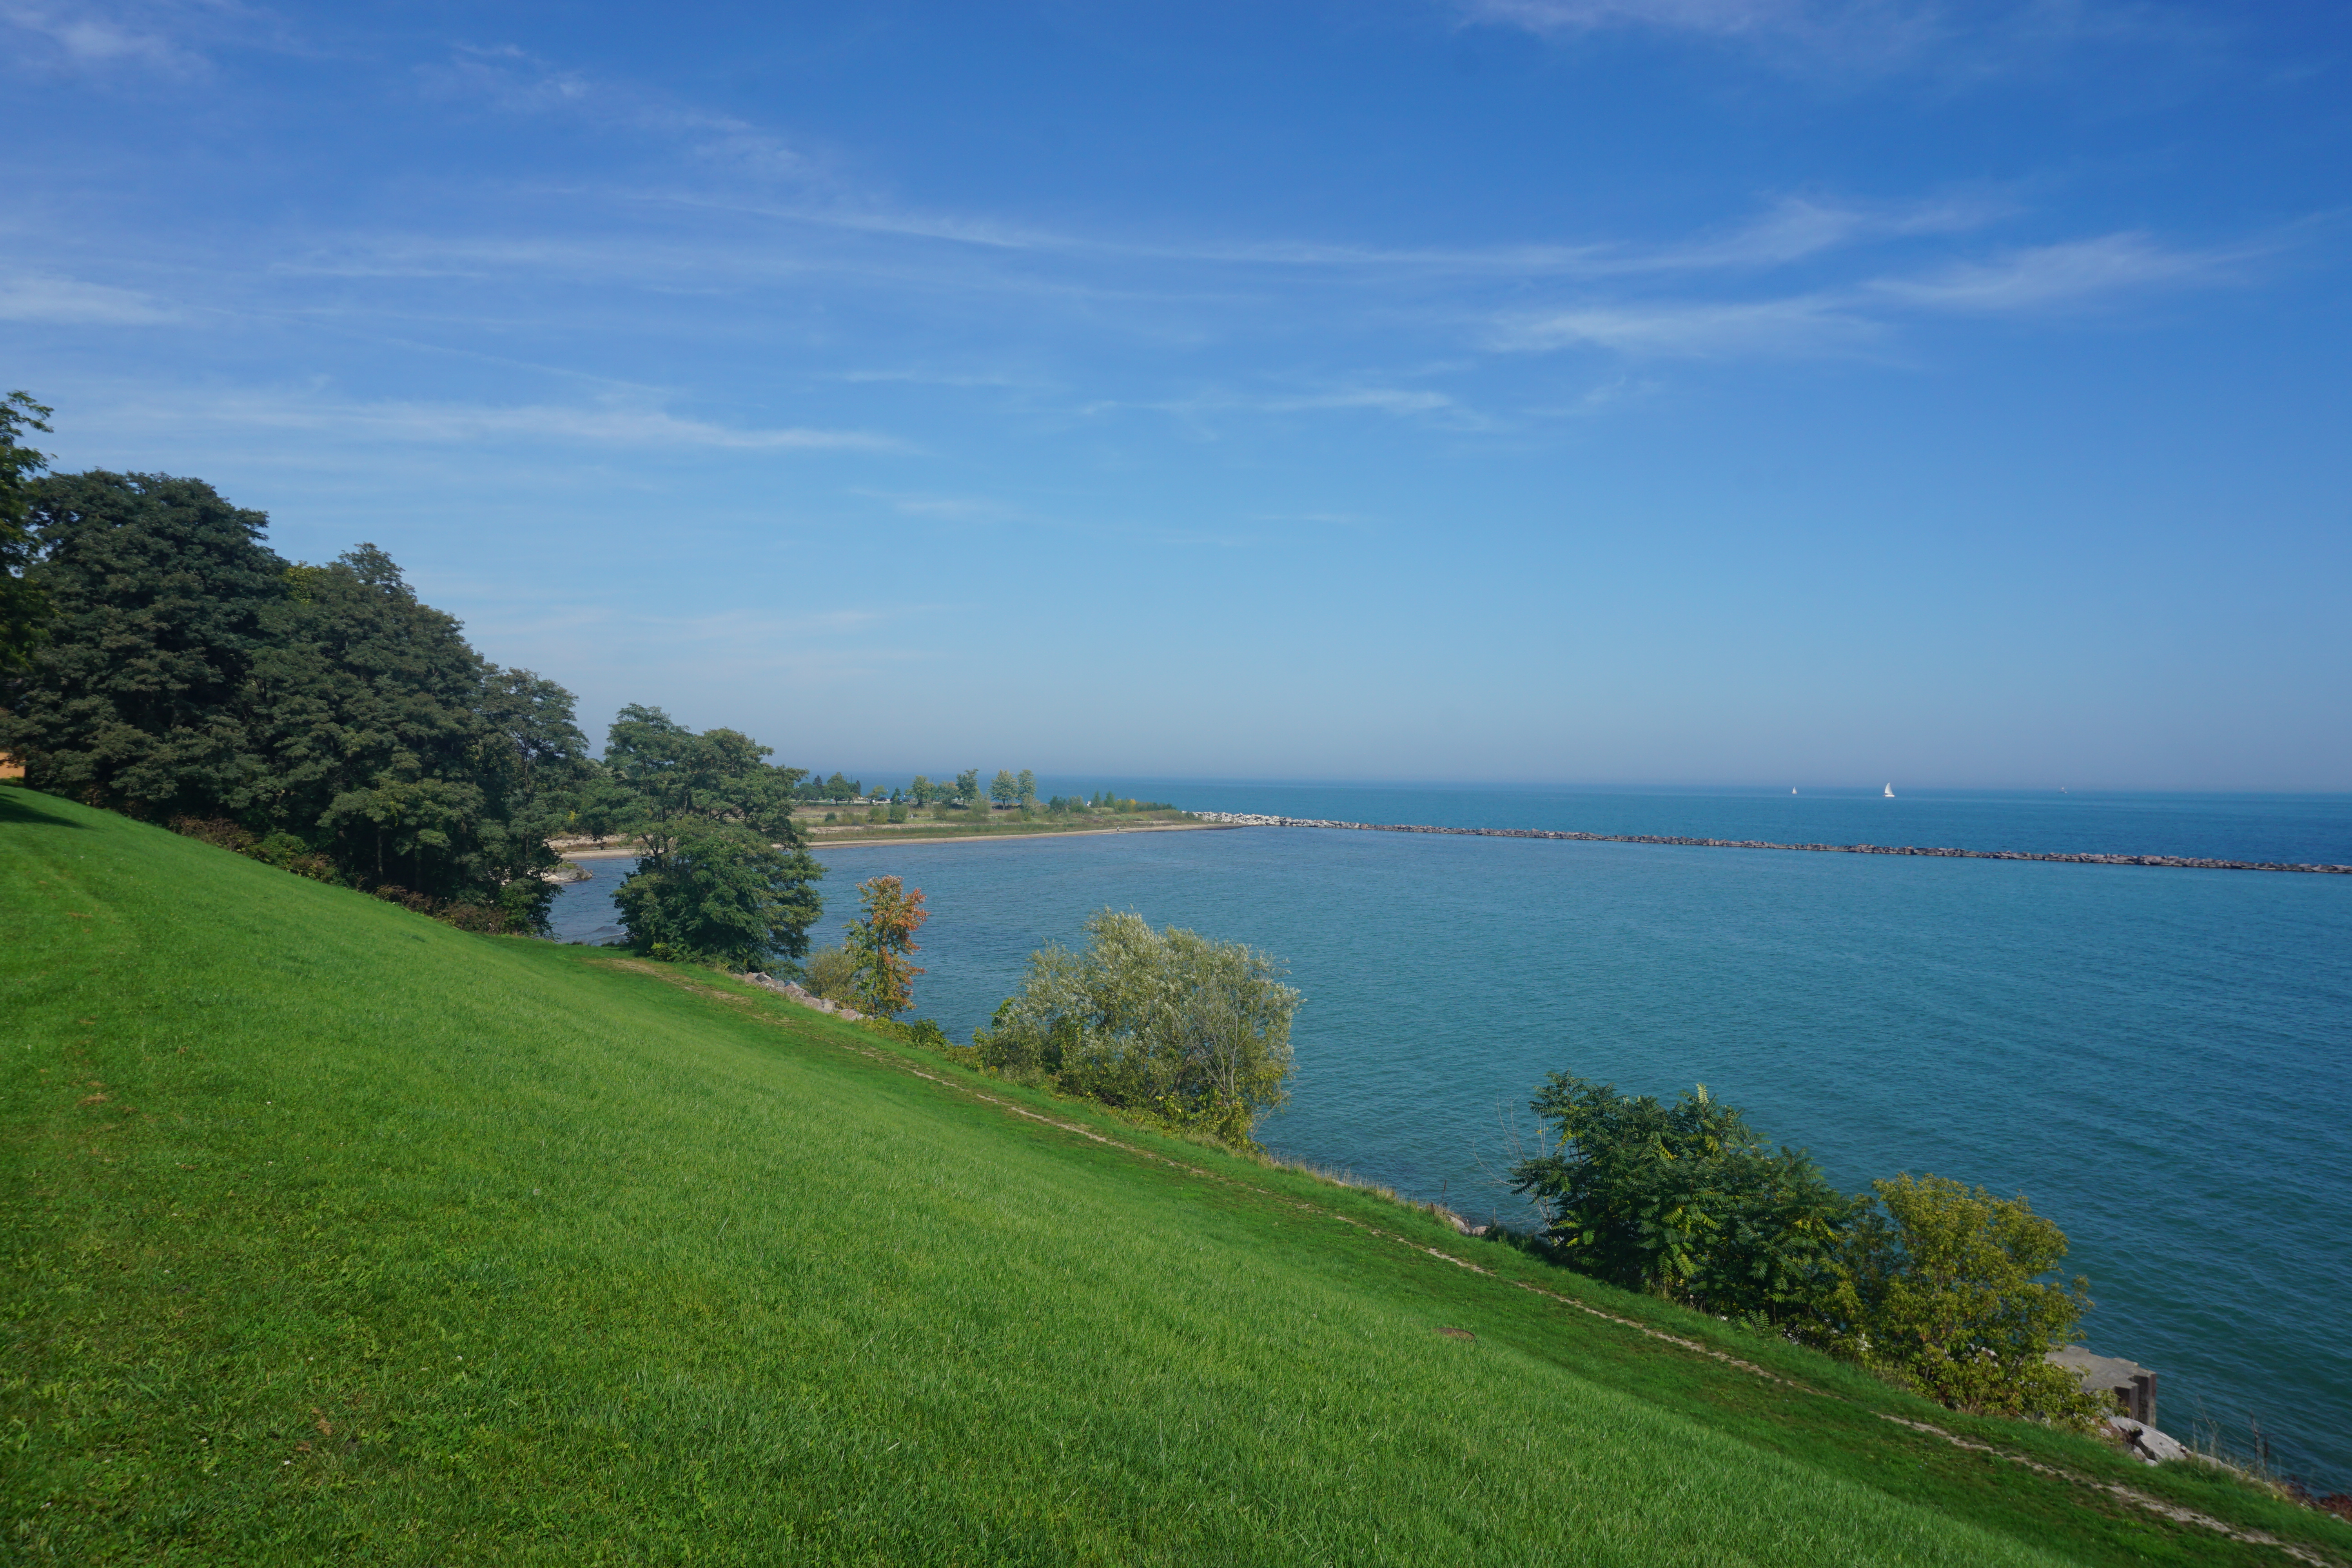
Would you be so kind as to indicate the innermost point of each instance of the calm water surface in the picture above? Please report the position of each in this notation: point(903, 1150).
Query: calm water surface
point(2158, 1058)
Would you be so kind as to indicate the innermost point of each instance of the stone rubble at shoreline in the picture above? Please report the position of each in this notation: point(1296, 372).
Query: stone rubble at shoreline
point(792, 990)
point(1249, 819)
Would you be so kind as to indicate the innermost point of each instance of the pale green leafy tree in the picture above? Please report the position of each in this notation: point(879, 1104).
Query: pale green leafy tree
point(1943, 1289)
point(1166, 1023)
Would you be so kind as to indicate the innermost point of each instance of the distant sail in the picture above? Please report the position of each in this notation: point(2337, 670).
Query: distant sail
point(1890, 791)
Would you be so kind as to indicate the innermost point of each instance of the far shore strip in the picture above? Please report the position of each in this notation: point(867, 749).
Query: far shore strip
point(1244, 819)
point(937, 838)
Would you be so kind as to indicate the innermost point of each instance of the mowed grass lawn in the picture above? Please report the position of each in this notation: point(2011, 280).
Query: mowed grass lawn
point(335, 1234)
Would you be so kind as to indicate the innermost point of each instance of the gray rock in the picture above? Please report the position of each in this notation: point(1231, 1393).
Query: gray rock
point(2146, 1443)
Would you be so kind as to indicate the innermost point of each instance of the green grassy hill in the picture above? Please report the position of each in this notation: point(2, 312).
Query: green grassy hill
point(335, 1234)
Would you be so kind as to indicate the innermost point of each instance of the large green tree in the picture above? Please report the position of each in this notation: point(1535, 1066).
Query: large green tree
point(141, 701)
point(725, 875)
point(1683, 1200)
point(396, 746)
point(24, 608)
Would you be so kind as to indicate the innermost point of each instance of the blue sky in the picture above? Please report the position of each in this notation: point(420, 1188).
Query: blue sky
point(1561, 390)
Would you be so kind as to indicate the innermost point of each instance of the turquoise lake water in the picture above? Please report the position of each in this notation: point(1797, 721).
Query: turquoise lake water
point(2160, 1059)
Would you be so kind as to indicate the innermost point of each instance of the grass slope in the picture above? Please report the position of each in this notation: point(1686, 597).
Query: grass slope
point(336, 1234)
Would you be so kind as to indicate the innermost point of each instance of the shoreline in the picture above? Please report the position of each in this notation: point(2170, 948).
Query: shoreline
point(815, 844)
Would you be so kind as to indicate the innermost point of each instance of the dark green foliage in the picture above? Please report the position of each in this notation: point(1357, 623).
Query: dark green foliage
point(724, 876)
point(719, 890)
point(191, 673)
point(1683, 1201)
point(415, 762)
point(141, 701)
point(282, 850)
point(24, 608)
point(1927, 1283)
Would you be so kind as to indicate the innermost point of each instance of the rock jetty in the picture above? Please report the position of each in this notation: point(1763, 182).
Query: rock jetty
point(1247, 819)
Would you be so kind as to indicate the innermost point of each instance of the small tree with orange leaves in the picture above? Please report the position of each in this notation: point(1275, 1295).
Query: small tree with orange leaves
point(879, 944)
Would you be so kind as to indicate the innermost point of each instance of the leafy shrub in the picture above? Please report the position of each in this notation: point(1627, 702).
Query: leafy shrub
point(1929, 1283)
point(283, 850)
point(832, 973)
point(1166, 1024)
point(1683, 1201)
point(1939, 1288)
point(518, 910)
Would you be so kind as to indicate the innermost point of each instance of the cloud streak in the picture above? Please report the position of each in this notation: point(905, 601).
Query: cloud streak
point(82, 35)
point(2075, 272)
point(1976, 40)
point(459, 423)
point(67, 302)
point(2070, 276)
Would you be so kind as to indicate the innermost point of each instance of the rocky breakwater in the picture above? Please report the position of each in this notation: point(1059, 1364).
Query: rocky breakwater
point(792, 991)
point(1247, 819)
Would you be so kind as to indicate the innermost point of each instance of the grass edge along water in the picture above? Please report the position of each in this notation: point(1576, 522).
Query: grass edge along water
point(342, 1232)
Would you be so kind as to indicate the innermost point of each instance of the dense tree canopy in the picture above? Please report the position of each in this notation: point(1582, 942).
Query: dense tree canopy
point(191, 673)
point(23, 607)
point(326, 720)
point(725, 875)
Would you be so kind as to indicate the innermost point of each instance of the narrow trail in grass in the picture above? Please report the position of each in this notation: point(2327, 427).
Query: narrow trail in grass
point(2131, 1495)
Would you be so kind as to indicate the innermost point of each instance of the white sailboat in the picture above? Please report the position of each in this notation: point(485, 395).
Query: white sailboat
point(1890, 791)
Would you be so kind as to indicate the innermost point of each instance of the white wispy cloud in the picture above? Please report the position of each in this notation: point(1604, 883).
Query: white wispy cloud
point(504, 78)
point(955, 509)
point(1976, 40)
point(2077, 275)
point(452, 423)
point(512, 81)
point(89, 36)
point(1797, 228)
point(2073, 272)
point(69, 301)
point(1802, 325)
point(1880, 32)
